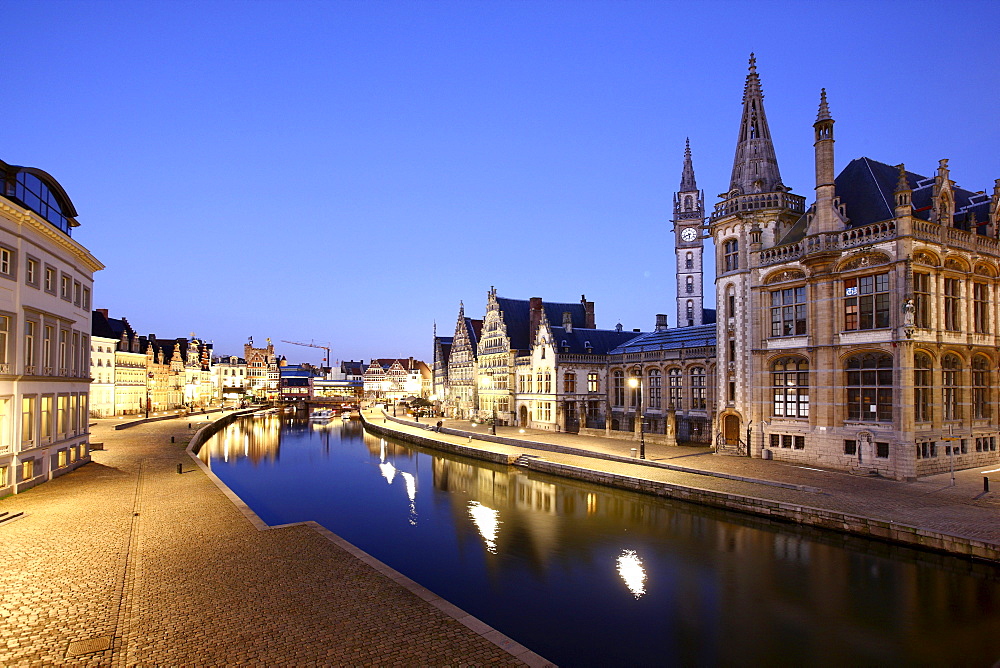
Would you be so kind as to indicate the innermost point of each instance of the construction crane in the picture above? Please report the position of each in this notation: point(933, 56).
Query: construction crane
point(313, 344)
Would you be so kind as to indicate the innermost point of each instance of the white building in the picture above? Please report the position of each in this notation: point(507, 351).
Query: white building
point(45, 326)
point(102, 373)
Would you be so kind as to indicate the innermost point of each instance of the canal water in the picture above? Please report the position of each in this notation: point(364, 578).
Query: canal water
point(590, 576)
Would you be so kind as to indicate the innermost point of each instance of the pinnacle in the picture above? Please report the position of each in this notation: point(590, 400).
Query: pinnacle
point(824, 108)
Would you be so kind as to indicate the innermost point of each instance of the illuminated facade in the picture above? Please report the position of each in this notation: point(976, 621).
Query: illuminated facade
point(262, 371)
point(880, 303)
point(397, 379)
point(44, 331)
point(460, 393)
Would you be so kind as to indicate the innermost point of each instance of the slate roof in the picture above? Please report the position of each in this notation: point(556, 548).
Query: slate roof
point(353, 368)
point(474, 328)
point(867, 188)
point(601, 341)
point(669, 339)
point(517, 318)
point(109, 328)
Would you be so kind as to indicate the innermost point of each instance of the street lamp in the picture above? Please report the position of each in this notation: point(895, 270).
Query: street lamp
point(635, 382)
point(149, 382)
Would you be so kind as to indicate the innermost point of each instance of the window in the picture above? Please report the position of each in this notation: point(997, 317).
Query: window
point(50, 280)
point(655, 388)
point(869, 387)
point(689, 261)
point(28, 421)
point(866, 302)
point(86, 299)
point(618, 388)
point(790, 381)
point(951, 392)
point(6, 262)
point(27, 469)
point(698, 397)
point(731, 255)
point(980, 387)
point(548, 382)
point(31, 272)
point(851, 448)
point(952, 299)
point(882, 450)
point(593, 385)
point(675, 388)
point(4, 341)
point(689, 312)
point(569, 382)
point(922, 383)
point(65, 283)
point(980, 308)
point(788, 312)
point(689, 285)
point(77, 290)
point(46, 430)
point(922, 305)
point(29, 346)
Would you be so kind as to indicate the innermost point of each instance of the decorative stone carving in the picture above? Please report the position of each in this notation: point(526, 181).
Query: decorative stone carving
point(923, 258)
point(866, 260)
point(787, 275)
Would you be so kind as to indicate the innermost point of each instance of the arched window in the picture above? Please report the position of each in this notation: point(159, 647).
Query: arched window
point(922, 388)
point(618, 388)
point(790, 382)
point(688, 203)
point(951, 390)
point(569, 382)
point(690, 284)
point(980, 387)
point(675, 389)
point(690, 311)
point(689, 261)
point(655, 388)
point(698, 400)
point(869, 387)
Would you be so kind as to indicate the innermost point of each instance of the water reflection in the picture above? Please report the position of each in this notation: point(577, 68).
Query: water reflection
point(631, 570)
point(544, 560)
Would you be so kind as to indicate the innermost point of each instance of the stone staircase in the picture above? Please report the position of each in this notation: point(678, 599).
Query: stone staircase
point(723, 447)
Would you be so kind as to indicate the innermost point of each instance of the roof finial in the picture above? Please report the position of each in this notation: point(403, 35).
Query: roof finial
point(824, 108)
point(902, 184)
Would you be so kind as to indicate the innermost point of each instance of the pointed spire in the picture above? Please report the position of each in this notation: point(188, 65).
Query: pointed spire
point(687, 176)
point(824, 108)
point(755, 167)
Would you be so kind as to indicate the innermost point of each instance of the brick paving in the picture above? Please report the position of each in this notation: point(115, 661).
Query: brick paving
point(124, 562)
point(930, 503)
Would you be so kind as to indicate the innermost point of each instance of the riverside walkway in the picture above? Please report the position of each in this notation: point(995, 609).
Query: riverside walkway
point(124, 562)
point(927, 508)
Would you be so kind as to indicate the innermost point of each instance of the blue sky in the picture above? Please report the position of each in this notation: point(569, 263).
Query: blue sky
point(346, 172)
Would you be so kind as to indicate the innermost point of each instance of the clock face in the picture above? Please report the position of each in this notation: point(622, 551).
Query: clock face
point(689, 234)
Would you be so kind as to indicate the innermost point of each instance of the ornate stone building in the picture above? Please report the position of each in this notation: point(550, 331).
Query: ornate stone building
point(881, 313)
point(460, 396)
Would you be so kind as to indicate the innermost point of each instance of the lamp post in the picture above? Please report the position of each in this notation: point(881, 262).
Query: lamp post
point(149, 383)
point(635, 382)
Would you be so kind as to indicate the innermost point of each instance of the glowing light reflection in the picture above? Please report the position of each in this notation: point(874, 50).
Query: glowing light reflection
point(631, 571)
point(388, 471)
point(411, 492)
point(488, 522)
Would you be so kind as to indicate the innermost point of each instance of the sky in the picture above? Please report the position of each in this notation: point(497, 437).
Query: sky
point(346, 173)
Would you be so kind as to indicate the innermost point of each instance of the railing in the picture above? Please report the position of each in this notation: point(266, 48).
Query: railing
point(952, 236)
point(580, 357)
point(742, 203)
point(723, 446)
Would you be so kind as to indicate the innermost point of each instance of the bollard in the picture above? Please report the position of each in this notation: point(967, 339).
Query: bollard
point(189, 425)
point(171, 439)
point(633, 453)
point(986, 484)
point(179, 469)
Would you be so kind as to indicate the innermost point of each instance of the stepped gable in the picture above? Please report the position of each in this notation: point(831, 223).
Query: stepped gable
point(678, 337)
point(517, 318)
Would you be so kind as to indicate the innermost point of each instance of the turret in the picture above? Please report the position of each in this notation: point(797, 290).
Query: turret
point(943, 200)
point(755, 167)
point(825, 216)
point(904, 203)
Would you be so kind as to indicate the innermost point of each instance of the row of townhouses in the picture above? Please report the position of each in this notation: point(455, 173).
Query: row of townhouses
point(857, 331)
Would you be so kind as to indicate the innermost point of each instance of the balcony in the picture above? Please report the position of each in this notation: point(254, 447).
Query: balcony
point(760, 202)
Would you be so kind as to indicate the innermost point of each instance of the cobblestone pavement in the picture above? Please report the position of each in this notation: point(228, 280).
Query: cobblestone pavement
point(930, 503)
point(125, 562)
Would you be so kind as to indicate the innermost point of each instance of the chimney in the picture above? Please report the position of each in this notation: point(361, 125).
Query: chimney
point(636, 330)
point(588, 310)
point(568, 322)
point(103, 311)
point(661, 322)
point(535, 317)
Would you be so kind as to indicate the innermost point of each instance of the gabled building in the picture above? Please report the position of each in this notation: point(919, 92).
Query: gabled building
point(879, 341)
point(561, 382)
point(262, 371)
point(461, 389)
point(397, 379)
point(229, 379)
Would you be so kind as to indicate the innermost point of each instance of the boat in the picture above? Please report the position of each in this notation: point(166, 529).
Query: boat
point(321, 414)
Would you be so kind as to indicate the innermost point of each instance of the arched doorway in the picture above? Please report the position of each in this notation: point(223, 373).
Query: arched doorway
point(524, 416)
point(731, 429)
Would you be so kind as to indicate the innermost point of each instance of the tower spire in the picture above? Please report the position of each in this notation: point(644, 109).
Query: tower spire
point(687, 176)
point(755, 167)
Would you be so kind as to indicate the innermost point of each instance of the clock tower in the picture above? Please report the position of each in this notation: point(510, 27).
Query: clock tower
point(689, 221)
